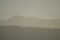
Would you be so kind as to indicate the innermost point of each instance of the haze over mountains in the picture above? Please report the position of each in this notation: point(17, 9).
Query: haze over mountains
point(32, 22)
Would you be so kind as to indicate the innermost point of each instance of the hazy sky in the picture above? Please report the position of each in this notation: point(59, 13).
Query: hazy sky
point(36, 8)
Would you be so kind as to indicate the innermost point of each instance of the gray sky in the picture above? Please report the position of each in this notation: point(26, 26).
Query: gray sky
point(37, 8)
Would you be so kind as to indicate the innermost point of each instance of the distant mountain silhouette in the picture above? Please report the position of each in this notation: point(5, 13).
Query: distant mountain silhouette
point(32, 22)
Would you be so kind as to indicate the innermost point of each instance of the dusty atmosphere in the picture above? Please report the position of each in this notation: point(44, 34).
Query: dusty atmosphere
point(29, 19)
point(32, 22)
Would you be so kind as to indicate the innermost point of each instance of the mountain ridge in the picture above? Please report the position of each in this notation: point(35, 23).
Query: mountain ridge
point(31, 22)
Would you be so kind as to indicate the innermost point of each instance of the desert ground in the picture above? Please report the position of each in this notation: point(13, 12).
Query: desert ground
point(12, 32)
